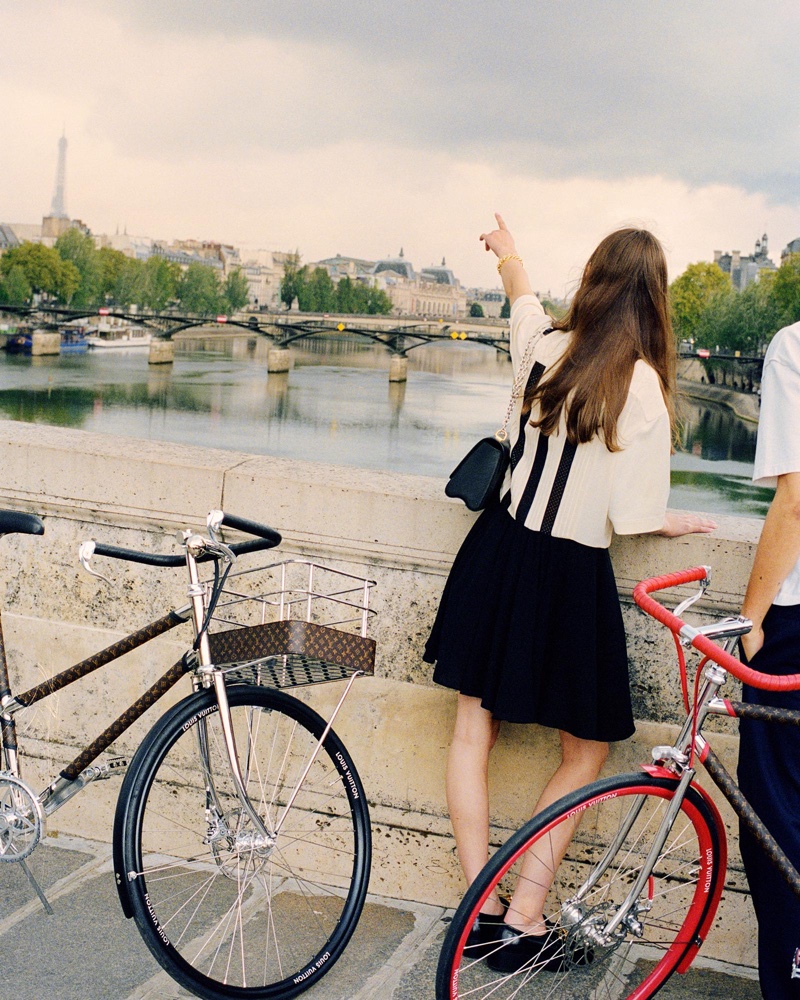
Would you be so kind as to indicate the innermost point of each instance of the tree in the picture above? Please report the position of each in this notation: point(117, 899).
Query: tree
point(111, 263)
point(505, 309)
point(127, 287)
point(79, 249)
point(476, 309)
point(692, 293)
point(742, 321)
point(289, 284)
point(315, 291)
point(15, 287)
point(199, 290)
point(344, 301)
point(235, 291)
point(158, 284)
point(786, 288)
point(41, 265)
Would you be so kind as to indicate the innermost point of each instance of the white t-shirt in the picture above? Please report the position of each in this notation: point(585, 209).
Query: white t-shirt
point(587, 493)
point(778, 443)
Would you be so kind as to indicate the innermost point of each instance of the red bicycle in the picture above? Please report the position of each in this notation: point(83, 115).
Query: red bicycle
point(633, 865)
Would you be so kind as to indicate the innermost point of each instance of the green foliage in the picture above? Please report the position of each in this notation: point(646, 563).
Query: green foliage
point(476, 309)
point(505, 309)
point(786, 288)
point(78, 248)
point(744, 321)
point(708, 310)
point(45, 271)
point(15, 289)
point(112, 263)
point(158, 282)
point(692, 293)
point(127, 283)
point(289, 284)
point(316, 292)
point(200, 291)
point(235, 291)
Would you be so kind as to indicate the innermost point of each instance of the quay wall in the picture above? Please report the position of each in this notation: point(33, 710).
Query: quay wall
point(396, 529)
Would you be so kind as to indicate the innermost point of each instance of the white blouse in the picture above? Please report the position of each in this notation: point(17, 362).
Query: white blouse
point(586, 493)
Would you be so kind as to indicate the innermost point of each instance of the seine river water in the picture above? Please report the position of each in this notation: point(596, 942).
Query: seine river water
point(336, 405)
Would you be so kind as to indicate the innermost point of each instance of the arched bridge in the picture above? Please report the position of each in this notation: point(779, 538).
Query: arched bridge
point(399, 336)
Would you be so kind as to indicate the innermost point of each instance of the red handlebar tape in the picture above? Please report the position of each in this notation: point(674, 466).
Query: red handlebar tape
point(641, 594)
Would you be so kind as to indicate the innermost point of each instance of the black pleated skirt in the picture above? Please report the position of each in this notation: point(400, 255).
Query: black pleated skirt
point(532, 626)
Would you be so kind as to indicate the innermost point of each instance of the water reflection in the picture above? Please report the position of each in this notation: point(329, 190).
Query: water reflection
point(712, 470)
point(337, 405)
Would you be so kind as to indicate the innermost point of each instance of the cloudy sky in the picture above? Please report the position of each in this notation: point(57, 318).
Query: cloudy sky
point(358, 128)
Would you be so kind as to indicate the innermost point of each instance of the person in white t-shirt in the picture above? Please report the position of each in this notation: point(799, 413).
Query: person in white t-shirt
point(769, 754)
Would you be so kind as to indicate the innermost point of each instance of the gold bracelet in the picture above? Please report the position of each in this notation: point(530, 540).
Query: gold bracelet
point(508, 257)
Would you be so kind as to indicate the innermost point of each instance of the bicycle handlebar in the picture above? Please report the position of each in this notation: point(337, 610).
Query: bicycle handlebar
point(756, 679)
point(267, 538)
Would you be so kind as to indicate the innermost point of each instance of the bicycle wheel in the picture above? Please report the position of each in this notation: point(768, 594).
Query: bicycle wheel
point(598, 868)
point(226, 912)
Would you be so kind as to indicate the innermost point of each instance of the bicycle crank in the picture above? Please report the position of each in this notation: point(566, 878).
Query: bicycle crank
point(21, 818)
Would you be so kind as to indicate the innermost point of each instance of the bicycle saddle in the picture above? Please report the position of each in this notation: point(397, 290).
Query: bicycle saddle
point(24, 524)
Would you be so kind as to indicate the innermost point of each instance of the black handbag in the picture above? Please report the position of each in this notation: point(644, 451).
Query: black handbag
point(479, 475)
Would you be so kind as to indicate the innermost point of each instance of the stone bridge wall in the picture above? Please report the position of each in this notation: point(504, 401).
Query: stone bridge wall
point(399, 530)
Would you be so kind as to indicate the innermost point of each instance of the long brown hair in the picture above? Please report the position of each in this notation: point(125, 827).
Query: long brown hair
point(619, 314)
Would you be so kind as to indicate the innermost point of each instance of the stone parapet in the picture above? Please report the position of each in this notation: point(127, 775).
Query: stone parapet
point(399, 530)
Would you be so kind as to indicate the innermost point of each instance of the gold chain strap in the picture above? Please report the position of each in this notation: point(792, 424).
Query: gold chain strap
point(519, 380)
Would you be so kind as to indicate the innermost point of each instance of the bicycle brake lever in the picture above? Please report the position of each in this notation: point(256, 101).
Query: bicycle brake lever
point(85, 553)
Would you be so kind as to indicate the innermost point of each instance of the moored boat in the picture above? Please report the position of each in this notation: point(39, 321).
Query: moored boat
point(74, 340)
point(20, 342)
point(120, 337)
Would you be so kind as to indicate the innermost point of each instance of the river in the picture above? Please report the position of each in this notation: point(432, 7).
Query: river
point(336, 405)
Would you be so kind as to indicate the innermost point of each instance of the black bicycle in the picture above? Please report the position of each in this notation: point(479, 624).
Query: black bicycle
point(241, 838)
point(628, 871)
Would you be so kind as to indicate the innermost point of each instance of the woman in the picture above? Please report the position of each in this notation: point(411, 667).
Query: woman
point(529, 628)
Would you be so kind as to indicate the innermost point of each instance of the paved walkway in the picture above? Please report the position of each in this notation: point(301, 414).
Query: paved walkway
point(86, 950)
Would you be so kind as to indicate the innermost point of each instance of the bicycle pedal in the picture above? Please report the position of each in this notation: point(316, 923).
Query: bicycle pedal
point(115, 767)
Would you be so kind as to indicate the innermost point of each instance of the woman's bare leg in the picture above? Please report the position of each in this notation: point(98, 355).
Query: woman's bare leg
point(474, 735)
point(581, 761)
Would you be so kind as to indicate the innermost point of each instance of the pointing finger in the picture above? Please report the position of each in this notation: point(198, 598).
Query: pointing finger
point(500, 223)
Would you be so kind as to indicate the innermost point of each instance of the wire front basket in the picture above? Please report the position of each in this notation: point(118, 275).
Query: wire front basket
point(293, 622)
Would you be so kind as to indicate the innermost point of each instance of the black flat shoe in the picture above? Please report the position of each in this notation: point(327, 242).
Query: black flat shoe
point(533, 952)
point(484, 936)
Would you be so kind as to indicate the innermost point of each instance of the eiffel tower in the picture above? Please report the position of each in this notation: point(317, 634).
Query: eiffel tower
point(57, 208)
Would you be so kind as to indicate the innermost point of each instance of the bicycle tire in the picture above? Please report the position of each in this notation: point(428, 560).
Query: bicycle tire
point(682, 895)
point(224, 914)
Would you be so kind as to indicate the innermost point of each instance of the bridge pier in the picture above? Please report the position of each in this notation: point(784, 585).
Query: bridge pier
point(279, 359)
point(162, 352)
point(398, 369)
point(43, 342)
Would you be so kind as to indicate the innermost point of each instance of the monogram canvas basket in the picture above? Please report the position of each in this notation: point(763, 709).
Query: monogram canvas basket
point(293, 622)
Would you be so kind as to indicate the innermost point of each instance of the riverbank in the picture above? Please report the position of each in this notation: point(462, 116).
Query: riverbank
point(746, 405)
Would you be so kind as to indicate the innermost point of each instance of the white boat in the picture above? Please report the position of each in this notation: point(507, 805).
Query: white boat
point(126, 337)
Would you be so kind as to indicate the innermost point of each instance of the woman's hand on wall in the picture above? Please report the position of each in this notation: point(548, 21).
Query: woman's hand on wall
point(682, 522)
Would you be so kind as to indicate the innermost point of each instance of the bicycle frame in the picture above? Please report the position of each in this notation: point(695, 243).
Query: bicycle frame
point(74, 776)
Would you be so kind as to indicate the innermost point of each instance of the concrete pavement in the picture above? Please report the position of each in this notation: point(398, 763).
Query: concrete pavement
point(87, 950)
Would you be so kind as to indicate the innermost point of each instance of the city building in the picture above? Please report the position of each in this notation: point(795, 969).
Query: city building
point(744, 270)
point(435, 292)
point(354, 268)
point(489, 299)
point(790, 248)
